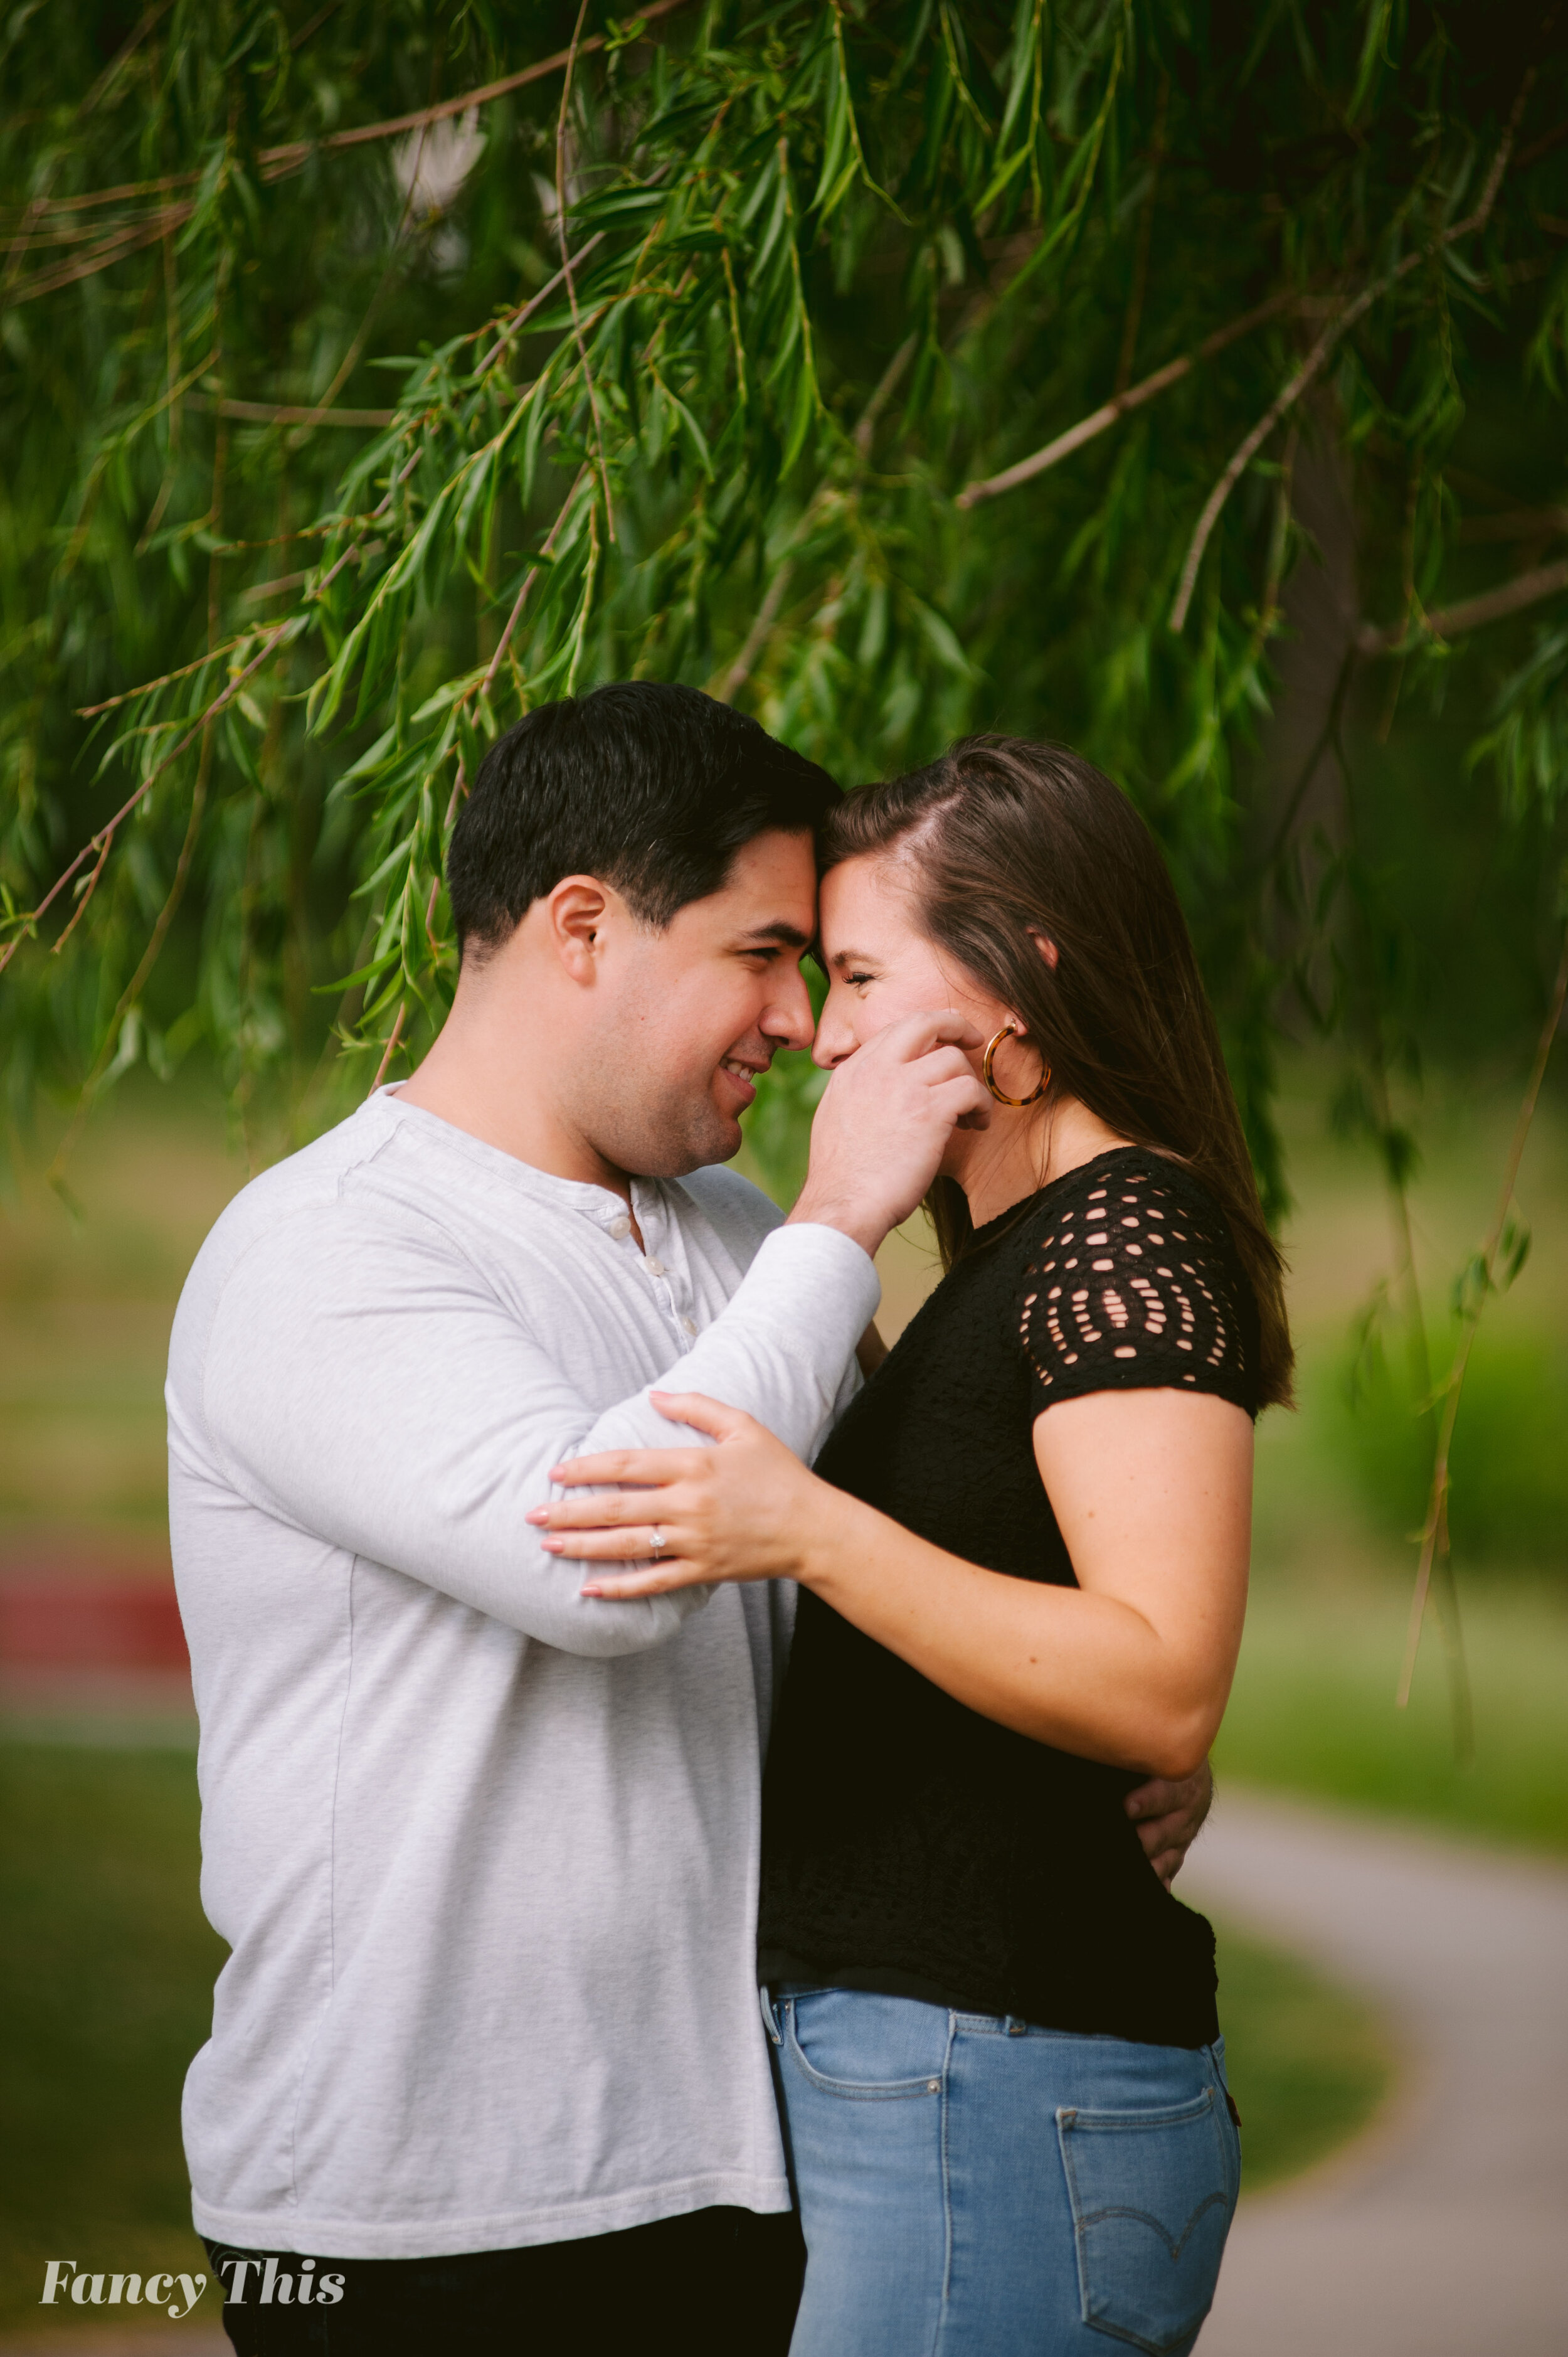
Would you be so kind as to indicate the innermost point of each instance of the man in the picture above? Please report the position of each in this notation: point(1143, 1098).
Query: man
point(487, 2067)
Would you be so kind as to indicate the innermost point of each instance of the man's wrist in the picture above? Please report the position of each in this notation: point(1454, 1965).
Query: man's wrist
point(862, 1226)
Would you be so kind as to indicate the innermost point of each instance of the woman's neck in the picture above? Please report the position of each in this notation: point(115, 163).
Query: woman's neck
point(1022, 1152)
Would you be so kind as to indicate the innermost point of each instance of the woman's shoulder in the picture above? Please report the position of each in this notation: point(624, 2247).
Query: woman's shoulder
point(1131, 1280)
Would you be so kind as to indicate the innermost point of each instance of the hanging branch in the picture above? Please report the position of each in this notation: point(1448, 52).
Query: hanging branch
point(567, 270)
point(1324, 349)
point(103, 841)
point(268, 413)
point(1470, 614)
point(1135, 312)
point(274, 164)
point(741, 669)
point(275, 161)
point(1434, 1531)
point(1109, 413)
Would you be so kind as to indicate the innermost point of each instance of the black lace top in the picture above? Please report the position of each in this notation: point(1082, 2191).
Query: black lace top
point(909, 1843)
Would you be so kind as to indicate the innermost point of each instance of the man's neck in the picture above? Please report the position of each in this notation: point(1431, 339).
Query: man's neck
point(504, 1100)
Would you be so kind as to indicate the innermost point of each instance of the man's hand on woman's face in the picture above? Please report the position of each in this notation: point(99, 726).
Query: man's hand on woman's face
point(1168, 1814)
point(883, 1122)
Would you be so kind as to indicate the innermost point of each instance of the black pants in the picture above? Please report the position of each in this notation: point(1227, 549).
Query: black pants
point(720, 2283)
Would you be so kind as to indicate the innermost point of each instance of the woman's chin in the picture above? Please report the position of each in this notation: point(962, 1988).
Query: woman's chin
point(958, 1155)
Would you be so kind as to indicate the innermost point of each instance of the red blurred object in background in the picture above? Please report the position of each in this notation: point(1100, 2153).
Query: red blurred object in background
point(50, 1620)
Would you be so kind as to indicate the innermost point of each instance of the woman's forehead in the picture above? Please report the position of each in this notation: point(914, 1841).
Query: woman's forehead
point(873, 889)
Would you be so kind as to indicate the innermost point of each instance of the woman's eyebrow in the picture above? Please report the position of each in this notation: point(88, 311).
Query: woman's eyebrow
point(850, 957)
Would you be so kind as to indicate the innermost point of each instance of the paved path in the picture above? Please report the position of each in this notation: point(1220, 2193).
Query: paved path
point(1445, 2233)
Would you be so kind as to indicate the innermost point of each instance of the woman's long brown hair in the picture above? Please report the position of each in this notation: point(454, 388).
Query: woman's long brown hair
point(1009, 842)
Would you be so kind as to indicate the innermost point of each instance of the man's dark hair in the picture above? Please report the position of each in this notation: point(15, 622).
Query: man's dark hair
point(652, 789)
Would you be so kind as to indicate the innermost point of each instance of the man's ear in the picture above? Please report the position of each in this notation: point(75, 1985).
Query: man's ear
point(575, 913)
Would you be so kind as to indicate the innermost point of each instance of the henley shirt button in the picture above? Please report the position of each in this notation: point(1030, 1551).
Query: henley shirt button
point(621, 1227)
point(688, 1325)
point(654, 1267)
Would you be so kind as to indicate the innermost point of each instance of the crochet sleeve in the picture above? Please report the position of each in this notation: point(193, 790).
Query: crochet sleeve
point(1136, 1285)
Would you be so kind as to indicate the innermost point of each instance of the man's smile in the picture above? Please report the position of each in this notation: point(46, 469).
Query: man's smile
point(744, 1074)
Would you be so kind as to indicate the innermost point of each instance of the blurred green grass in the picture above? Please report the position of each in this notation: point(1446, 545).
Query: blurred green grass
point(1313, 1708)
point(1308, 2062)
point(1341, 1489)
point(106, 1980)
point(87, 1286)
point(106, 1973)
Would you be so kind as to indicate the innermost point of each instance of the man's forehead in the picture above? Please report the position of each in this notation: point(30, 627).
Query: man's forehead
point(772, 887)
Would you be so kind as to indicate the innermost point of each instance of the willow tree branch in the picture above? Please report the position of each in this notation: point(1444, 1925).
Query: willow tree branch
point(115, 247)
point(766, 614)
point(103, 840)
point(566, 272)
point(1100, 420)
point(1327, 343)
point(267, 413)
point(1471, 613)
point(483, 687)
point(389, 1050)
point(1134, 313)
point(887, 385)
point(1516, 523)
point(1436, 1522)
point(124, 194)
point(149, 958)
point(276, 161)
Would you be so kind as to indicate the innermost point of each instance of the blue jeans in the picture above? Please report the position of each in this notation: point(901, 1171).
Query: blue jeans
point(970, 2187)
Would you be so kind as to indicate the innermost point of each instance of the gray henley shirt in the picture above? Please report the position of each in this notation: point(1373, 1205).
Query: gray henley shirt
point(484, 1852)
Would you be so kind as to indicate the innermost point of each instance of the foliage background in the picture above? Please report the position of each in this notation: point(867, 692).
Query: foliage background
point(371, 372)
point(317, 471)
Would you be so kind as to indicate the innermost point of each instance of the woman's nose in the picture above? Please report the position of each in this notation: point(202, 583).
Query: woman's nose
point(836, 1039)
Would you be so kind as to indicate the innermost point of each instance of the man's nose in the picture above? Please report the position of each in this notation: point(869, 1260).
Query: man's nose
point(790, 1019)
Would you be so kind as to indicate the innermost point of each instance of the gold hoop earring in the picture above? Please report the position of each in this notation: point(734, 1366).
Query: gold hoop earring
point(1011, 1031)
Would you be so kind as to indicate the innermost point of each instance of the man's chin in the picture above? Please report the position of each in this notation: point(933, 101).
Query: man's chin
point(716, 1138)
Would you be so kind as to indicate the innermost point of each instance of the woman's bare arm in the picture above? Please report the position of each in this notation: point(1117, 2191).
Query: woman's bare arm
point(1152, 1490)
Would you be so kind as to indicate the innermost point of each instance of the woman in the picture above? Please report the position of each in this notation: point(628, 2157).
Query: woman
point(1024, 1562)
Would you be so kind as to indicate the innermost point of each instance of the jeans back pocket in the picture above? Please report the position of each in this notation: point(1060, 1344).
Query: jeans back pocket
point(1151, 2194)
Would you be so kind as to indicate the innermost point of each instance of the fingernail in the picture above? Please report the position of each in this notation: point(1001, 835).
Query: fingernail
point(591, 1589)
point(552, 1546)
point(537, 1514)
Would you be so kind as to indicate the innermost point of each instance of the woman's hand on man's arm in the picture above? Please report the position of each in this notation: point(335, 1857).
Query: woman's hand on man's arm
point(1153, 1493)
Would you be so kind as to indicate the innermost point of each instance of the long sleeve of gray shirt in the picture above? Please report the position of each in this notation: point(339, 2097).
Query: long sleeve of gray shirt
point(485, 1851)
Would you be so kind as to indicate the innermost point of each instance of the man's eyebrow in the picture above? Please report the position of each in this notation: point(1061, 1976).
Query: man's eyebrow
point(791, 936)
